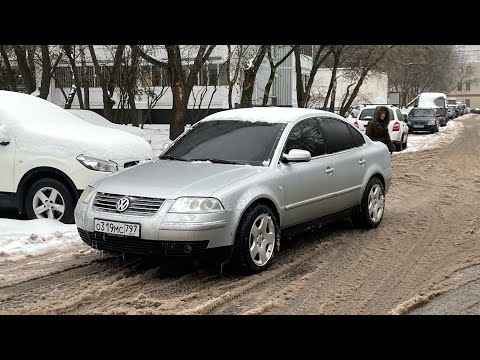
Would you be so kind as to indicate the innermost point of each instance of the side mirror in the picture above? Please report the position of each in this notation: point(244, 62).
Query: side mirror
point(297, 155)
point(4, 139)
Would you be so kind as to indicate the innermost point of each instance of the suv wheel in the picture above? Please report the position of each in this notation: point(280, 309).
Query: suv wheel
point(370, 212)
point(49, 199)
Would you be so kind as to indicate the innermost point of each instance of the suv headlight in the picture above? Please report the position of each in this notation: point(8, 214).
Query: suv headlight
point(196, 205)
point(87, 194)
point(431, 122)
point(97, 164)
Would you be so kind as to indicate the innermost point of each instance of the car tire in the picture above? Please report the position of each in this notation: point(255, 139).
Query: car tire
point(252, 252)
point(406, 143)
point(55, 198)
point(374, 196)
point(398, 147)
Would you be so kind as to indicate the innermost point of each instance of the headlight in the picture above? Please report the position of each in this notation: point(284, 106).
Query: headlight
point(87, 194)
point(431, 122)
point(97, 164)
point(196, 205)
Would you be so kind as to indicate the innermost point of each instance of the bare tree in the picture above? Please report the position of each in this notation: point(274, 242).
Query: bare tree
point(69, 49)
point(181, 83)
point(273, 70)
point(250, 74)
point(321, 53)
point(24, 68)
point(233, 70)
point(9, 76)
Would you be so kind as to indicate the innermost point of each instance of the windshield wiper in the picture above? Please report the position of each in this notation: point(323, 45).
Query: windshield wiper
point(220, 161)
point(170, 157)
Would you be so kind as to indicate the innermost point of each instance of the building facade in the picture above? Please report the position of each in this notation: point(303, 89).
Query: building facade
point(468, 90)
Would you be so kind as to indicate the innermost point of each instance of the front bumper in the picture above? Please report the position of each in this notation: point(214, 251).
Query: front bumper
point(424, 127)
point(162, 234)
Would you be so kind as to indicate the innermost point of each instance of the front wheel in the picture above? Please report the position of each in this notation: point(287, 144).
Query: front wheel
point(370, 212)
point(257, 238)
point(49, 199)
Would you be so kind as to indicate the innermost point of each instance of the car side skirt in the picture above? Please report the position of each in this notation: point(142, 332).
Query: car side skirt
point(7, 199)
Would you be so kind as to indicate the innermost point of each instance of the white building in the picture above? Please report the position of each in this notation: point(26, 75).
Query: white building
point(374, 89)
point(210, 91)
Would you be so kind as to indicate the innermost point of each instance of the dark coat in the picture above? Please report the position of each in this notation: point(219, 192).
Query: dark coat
point(377, 130)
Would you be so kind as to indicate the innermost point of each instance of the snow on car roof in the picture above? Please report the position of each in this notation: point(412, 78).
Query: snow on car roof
point(41, 126)
point(268, 114)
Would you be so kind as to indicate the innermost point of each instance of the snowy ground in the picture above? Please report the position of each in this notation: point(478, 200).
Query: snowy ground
point(20, 239)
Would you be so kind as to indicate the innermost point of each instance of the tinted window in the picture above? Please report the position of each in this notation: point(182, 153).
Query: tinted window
point(440, 102)
point(306, 135)
point(338, 136)
point(422, 112)
point(236, 141)
point(358, 139)
point(399, 115)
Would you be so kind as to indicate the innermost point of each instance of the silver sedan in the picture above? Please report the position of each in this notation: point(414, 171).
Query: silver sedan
point(235, 181)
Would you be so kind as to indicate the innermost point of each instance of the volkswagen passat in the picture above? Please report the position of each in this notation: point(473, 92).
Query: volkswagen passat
point(236, 180)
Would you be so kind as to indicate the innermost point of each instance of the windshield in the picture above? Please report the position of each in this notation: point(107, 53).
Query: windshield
point(227, 141)
point(365, 113)
point(422, 112)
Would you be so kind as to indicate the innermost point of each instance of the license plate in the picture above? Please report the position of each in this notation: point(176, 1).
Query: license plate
point(117, 228)
point(418, 126)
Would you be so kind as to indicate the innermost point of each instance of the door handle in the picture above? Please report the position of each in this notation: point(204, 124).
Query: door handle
point(329, 170)
point(361, 162)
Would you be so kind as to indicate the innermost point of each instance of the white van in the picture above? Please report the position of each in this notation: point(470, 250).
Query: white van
point(48, 156)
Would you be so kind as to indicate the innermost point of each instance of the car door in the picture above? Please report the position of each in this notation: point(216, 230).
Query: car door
point(346, 147)
point(7, 161)
point(309, 186)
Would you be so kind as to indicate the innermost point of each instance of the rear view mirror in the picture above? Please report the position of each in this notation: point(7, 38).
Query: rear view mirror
point(4, 139)
point(297, 155)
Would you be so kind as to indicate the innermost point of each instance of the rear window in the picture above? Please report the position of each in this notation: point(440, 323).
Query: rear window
point(422, 112)
point(440, 102)
point(369, 112)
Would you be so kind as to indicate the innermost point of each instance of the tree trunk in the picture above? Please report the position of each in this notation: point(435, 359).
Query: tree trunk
point(179, 110)
point(24, 69)
point(250, 76)
point(71, 96)
point(76, 77)
point(46, 72)
point(332, 101)
point(85, 77)
point(333, 80)
point(31, 63)
point(107, 101)
point(9, 73)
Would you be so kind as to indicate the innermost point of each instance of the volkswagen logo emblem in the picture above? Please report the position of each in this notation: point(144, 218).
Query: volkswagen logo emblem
point(122, 204)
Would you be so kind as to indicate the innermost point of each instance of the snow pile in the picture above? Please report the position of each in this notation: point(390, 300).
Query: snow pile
point(25, 238)
point(424, 141)
point(34, 123)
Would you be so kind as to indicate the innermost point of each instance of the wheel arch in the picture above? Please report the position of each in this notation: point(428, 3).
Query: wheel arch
point(42, 173)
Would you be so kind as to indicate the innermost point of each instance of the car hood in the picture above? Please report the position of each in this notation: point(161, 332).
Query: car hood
point(170, 179)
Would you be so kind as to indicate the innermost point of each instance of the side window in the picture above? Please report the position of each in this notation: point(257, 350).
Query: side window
point(400, 115)
point(392, 117)
point(358, 139)
point(306, 135)
point(337, 135)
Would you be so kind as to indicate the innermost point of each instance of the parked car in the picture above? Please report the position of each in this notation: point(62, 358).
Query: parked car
point(48, 156)
point(96, 119)
point(237, 180)
point(451, 112)
point(475, 111)
point(423, 119)
point(397, 128)
point(437, 101)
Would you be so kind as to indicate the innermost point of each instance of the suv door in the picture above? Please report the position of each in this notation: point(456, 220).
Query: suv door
point(309, 186)
point(7, 162)
point(346, 147)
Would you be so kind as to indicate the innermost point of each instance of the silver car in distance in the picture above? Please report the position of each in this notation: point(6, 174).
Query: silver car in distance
point(235, 181)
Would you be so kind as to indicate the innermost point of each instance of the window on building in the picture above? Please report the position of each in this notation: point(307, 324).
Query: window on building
point(467, 86)
point(467, 102)
point(468, 70)
point(307, 50)
point(160, 76)
point(63, 77)
point(459, 88)
point(213, 74)
point(222, 78)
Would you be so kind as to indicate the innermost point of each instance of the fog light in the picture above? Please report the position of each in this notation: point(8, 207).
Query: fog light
point(187, 249)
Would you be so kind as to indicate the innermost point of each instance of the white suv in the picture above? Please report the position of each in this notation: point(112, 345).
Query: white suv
point(397, 128)
point(49, 156)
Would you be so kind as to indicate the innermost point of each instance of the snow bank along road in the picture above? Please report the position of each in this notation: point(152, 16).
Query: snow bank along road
point(425, 251)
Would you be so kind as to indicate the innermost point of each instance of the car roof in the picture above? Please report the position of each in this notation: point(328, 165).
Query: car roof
point(269, 114)
point(374, 106)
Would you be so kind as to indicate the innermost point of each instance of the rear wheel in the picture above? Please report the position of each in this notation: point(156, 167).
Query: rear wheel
point(406, 143)
point(256, 240)
point(49, 199)
point(399, 147)
point(370, 212)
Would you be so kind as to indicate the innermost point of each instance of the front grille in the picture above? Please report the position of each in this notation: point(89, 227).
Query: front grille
point(141, 206)
point(138, 246)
